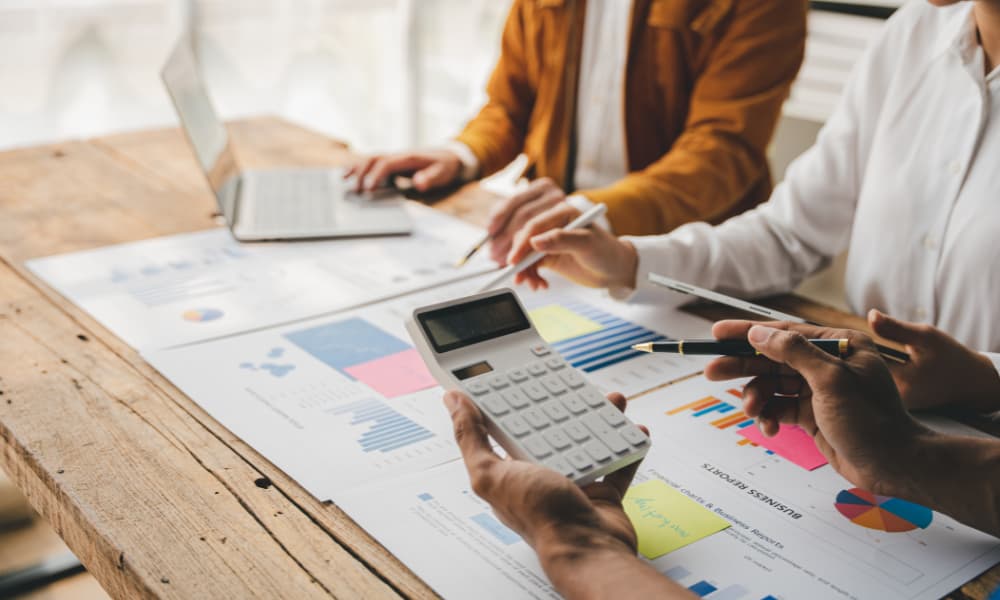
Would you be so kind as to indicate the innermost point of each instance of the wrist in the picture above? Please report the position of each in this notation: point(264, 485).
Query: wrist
point(563, 551)
point(984, 388)
point(921, 447)
point(630, 265)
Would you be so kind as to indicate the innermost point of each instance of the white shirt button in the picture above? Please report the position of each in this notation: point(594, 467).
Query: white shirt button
point(930, 243)
point(955, 167)
point(920, 314)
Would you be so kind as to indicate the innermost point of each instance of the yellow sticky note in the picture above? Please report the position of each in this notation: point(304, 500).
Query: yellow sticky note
point(557, 323)
point(666, 519)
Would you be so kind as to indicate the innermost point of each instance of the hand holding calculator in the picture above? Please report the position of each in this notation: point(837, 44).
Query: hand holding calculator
point(537, 407)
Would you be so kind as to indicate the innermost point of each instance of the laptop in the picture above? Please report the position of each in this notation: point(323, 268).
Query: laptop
point(272, 204)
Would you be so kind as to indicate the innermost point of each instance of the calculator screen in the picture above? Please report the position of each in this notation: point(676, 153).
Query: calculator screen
point(473, 322)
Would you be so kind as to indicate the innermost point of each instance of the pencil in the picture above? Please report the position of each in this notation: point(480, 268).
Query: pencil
point(835, 347)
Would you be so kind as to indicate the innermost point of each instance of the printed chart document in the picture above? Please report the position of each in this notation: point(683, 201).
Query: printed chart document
point(792, 532)
point(334, 401)
point(595, 334)
point(179, 289)
point(345, 399)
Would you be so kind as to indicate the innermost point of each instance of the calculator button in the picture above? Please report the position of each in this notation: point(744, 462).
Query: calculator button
point(605, 433)
point(554, 385)
point(541, 350)
point(561, 466)
point(592, 397)
point(517, 426)
point(535, 418)
point(498, 382)
point(477, 387)
point(557, 439)
point(537, 369)
point(597, 451)
point(495, 405)
point(518, 375)
point(535, 391)
point(537, 447)
point(516, 399)
point(574, 404)
point(612, 416)
point(616, 442)
point(633, 435)
point(554, 363)
point(573, 379)
point(555, 411)
point(579, 460)
point(578, 432)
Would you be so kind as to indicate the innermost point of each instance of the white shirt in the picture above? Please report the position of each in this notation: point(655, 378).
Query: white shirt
point(905, 175)
point(600, 119)
point(600, 100)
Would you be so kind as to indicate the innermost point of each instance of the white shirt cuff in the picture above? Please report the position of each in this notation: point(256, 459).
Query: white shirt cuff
point(470, 164)
point(583, 204)
point(651, 260)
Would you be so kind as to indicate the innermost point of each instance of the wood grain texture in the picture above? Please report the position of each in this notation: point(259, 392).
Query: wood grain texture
point(141, 483)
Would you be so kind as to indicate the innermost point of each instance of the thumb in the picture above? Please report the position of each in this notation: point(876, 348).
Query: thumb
point(557, 241)
point(895, 330)
point(791, 348)
point(431, 176)
point(470, 428)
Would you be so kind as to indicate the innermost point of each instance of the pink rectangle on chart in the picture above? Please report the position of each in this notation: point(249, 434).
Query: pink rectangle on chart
point(791, 443)
point(394, 375)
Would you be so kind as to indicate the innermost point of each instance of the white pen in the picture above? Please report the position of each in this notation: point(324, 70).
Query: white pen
point(584, 220)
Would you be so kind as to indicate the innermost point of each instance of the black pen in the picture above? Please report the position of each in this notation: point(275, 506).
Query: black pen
point(835, 347)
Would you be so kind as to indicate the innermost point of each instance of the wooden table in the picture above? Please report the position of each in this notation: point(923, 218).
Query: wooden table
point(154, 496)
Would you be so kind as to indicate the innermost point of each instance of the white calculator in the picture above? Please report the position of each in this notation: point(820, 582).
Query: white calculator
point(537, 407)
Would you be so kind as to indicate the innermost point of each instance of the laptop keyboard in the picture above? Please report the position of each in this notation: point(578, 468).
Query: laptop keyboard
point(303, 199)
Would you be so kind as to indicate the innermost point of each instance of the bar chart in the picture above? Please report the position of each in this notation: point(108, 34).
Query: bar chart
point(388, 430)
point(589, 338)
point(710, 588)
point(728, 414)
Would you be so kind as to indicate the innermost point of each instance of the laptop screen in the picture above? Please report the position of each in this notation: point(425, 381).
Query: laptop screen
point(204, 130)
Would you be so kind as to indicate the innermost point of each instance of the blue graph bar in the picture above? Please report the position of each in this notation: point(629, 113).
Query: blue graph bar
point(722, 407)
point(606, 347)
point(497, 529)
point(703, 588)
point(677, 572)
point(388, 431)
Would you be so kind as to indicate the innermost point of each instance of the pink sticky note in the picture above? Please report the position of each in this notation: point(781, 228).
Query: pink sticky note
point(394, 375)
point(791, 443)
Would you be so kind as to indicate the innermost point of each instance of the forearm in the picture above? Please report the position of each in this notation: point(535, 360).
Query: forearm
point(958, 476)
point(587, 566)
point(754, 254)
point(494, 137)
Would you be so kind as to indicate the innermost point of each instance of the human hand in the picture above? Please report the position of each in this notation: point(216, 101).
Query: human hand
point(850, 406)
point(511, 215)
point(545, 508)
point(430, 168)
point(941, 371)
point(591, 256)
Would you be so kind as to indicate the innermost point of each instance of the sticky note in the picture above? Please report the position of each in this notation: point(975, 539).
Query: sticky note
point(557, 323)
point(666, 519)
point(394, 375)
point(791, 443)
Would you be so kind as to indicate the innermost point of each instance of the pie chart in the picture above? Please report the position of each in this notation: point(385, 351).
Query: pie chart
point(201, 315)
point(882, 512)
